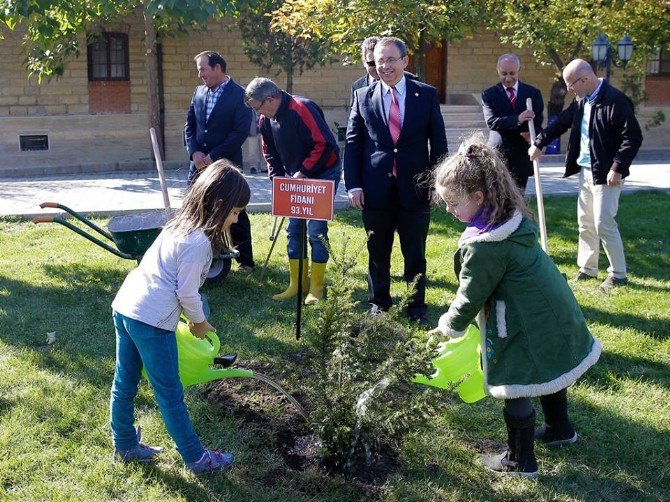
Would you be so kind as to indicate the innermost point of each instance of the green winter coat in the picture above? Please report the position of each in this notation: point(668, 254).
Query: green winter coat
point(535, 335)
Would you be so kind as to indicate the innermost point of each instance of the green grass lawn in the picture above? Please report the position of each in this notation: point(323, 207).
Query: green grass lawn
point(54, 435)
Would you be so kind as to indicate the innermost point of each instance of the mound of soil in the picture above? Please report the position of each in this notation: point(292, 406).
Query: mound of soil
point(261, 407)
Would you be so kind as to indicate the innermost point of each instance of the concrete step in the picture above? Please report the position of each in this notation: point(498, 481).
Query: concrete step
point(464, 123)
point(455, 109)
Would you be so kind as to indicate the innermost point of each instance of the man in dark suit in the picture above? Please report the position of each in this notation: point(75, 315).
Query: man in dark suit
point(368, 59)
point(217, 124)
point(507, 118)
point(387, 166)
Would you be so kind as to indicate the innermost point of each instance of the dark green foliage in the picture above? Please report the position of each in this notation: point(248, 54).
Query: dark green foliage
point(353, 355)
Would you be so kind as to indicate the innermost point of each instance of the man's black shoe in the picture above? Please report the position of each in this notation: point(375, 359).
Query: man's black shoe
point(420, 319)
point(582, 276)
point(612, 282)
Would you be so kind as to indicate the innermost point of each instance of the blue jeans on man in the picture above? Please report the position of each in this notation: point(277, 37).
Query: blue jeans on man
point(317, 230)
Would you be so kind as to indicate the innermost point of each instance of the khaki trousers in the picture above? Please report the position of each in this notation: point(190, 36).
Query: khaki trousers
point(596, 211)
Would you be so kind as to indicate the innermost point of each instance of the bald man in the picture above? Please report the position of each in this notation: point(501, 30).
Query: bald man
point(507, 118)
point(604, 139)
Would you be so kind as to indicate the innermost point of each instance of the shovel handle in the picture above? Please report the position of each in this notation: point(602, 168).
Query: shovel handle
point(538, 184)
point(43, 219)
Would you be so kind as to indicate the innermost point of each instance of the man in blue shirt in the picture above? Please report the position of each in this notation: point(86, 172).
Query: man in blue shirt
point(604, 139)
point(216, 126)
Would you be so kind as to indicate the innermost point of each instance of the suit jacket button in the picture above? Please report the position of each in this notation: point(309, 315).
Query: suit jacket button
point(390, 175)
point(395, 150)
point(205, 130)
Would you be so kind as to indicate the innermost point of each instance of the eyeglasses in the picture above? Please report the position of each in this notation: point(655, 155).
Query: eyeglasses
point(370, 63)
point(580, 79)
point(256, 108)
point(382, 62)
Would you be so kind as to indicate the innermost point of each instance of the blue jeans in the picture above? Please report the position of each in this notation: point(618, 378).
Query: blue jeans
point(137, 345)
point(317, 230)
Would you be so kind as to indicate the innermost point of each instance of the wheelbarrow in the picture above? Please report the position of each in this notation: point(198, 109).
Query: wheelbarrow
point(131, 234)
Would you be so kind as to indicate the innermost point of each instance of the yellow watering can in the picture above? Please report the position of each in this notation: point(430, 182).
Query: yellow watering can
point(459, 360)
point(197, 355)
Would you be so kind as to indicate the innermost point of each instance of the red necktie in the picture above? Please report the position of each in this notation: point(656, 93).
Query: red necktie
point(394, 124)
point(512, 96)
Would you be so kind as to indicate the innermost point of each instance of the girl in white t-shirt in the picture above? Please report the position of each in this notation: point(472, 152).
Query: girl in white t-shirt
point(147, 310)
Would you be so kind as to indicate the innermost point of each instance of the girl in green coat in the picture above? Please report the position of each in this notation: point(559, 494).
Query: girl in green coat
point(536, 339)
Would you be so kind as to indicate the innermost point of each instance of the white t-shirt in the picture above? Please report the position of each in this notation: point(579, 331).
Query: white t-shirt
point(167, 281)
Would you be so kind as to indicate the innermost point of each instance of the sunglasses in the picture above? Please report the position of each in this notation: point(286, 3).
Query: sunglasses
point(371, 63)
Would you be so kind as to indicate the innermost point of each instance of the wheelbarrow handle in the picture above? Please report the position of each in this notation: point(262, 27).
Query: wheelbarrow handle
point(78, 216)
point(84, 234)
point(43, 219)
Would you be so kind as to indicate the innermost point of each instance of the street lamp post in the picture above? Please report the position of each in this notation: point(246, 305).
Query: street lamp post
point(602, 53)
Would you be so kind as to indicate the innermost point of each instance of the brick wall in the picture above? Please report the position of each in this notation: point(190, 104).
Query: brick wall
point(471, 65)
point(658, 89)
point(111, 96)
point(328, 86)
point(27, 106)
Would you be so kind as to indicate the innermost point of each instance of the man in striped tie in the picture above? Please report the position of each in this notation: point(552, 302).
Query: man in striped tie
point(394, 137)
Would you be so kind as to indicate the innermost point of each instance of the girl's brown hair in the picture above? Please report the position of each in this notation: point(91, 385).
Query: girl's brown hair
point(216, 191)
point(477, 166)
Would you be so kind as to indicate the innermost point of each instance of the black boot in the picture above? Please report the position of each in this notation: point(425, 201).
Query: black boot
point(519, 459)
point(557, 429)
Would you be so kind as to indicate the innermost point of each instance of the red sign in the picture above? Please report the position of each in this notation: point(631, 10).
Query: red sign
point(303, 198)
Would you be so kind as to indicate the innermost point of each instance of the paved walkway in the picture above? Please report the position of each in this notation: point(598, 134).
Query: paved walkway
point(132, 192)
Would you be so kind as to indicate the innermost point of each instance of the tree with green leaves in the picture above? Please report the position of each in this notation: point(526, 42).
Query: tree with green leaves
point(345, 23)
point(560, 31)
point(56, 31)
point(289, 45)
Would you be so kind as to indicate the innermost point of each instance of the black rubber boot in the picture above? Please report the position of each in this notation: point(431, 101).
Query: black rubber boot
point(557, 429)
point(519, 459)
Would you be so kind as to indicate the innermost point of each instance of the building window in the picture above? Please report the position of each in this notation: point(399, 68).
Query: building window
point(108, 57)
point(659, 62)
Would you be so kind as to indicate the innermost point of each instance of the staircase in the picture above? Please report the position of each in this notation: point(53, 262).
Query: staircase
point(462, 116)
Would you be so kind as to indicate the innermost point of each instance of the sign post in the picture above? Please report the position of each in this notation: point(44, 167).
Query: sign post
point(303, 199)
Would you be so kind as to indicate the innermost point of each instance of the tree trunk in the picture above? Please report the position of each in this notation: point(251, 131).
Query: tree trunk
point(557, 97)
point(152, 77)
point(289, 80)
point(420, 58)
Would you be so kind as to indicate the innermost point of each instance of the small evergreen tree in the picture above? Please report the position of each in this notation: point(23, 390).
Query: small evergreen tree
point(360, 369)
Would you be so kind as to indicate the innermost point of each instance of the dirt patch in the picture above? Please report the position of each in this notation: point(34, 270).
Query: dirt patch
point(262, 408)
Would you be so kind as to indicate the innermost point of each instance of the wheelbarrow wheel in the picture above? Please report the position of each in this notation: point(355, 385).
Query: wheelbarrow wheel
point(219, 269)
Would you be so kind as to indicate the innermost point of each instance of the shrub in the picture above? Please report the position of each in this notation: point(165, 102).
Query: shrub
point(360, 369)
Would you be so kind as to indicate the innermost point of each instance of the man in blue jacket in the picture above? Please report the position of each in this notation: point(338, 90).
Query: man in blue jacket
point(604, 139)
point(297, 142)
point(387, 170)
point(217, 124)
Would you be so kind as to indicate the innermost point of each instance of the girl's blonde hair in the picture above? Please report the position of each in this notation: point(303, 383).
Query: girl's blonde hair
point(477, 166)
point(217, 190)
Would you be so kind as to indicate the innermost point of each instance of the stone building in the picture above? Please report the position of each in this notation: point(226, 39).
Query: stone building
point(94, 117)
